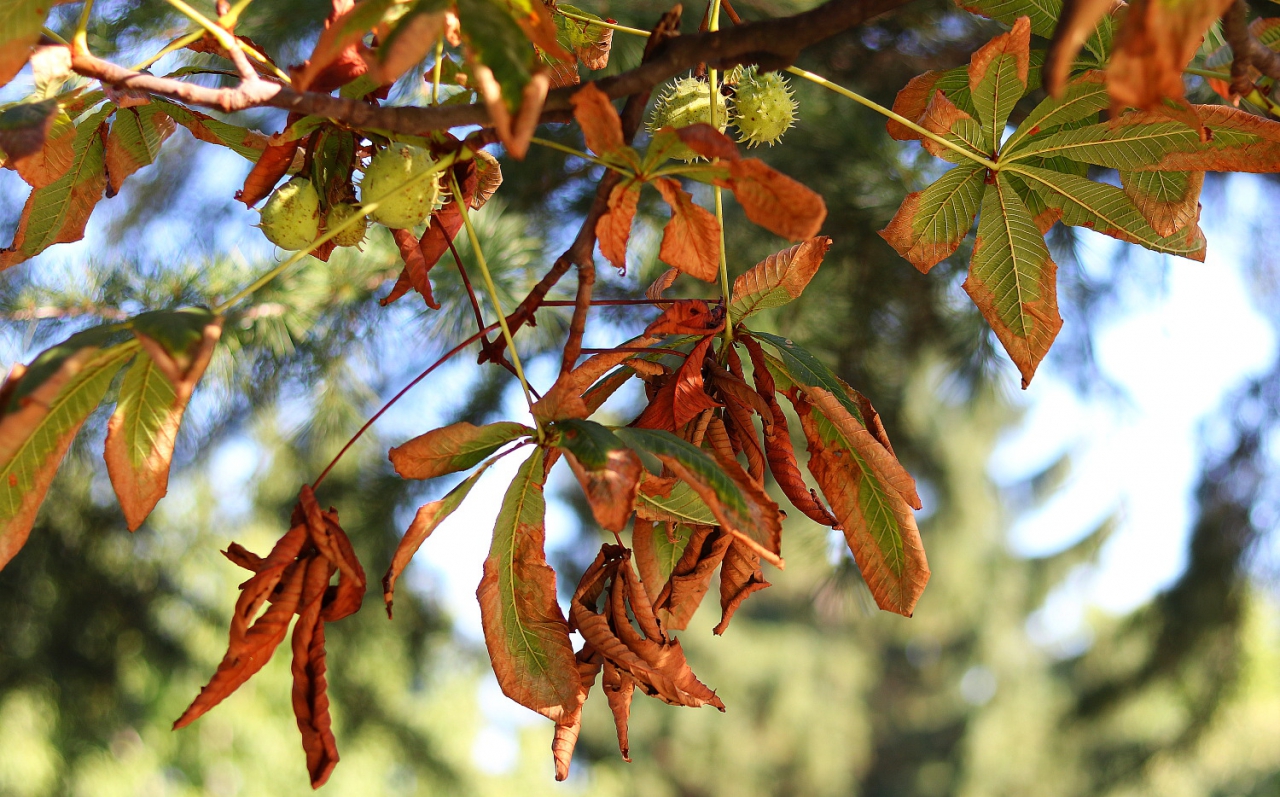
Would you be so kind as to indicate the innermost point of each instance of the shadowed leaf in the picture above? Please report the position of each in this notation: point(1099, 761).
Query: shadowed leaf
point(452, 448)
point(608, 471)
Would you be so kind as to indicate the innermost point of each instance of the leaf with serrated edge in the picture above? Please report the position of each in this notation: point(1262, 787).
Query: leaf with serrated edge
point(748, 514)
point(134, 141)
point(774, 201)
point(998, 77)
point(691, 239)
point(240, 140)
point(58, 212)
point(524, 630)
point(143, 429)
point(1012, 279)
point(682, 505)
point(1084, 97)
point(1106, 209)
point(930, 224)
point(877, 460)
point(1168, 201)
point(778, 278)
point(452, 448)
point(36, 433)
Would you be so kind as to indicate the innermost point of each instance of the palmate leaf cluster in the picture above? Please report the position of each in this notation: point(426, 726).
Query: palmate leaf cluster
point(687, 479)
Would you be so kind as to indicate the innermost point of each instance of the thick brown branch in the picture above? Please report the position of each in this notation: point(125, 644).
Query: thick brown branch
point(773, 43)
point(1246, 50)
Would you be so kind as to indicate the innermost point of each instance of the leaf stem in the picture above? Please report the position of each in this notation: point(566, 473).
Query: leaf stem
point(52, 34)
point(357, 217)
point(902, 120)
point(577, 153)
point(435, 72)
point(712, 75)
point(444, 358)
point(176, 44)
point(493, 296)
point(600, 23)
point(79, 39)
point(225, 39)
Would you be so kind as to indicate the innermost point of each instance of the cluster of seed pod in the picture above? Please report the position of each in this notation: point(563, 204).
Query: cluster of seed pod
point(291, 217)
point(762, 107)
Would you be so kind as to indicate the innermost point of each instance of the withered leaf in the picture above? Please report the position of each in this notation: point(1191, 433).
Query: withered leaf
point(599, 120)
point(272, 164)
point(691, 577)
point(778, 278)
point(690, 395)
point(740, 576)
point(310, 687)
point(687, 317)
point(775, 201)
point(608, 471)
point(613, 229)
point(452, 448)
point(569, 724)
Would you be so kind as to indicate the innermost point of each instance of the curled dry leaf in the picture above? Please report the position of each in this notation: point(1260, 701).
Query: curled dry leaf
point(613, 229)
point(272, 164)
point(687, 317)
point(599, 120)
point(568, 726)
point(690, 394)
point(292, 579)
point(740, 576)
point(416, 269)
point(661, 284)
point(514, 130)
point(691, 577)
point(608, 471)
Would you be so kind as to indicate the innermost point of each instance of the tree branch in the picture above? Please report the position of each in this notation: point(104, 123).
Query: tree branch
point(773, 43)
point(1246, 50)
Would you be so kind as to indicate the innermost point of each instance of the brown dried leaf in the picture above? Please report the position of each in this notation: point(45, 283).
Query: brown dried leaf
point(686, 317)
point(911, 103)
point(1156, 42)
point(416, 269)
point(310, 688)
point(618, 688)
point(778, 278)
point(880, 459)
point(40, 148)
point(413, 39)
point(661, 284)
point(570, 723)
point(709, 142)
point(690, 397)
point(488, 180)
point(691, 577)
point(740, 576)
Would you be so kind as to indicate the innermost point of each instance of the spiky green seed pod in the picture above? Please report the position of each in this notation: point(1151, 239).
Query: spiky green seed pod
point(388, 170)
point(763, 107)
point(291, 217)
point(687, 102)
point(353, 235)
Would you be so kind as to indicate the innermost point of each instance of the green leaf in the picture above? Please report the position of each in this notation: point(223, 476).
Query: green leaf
point(1128, 143)
point(494, 39)
point(20, 23)
point(37, 431)
point(1044, 15)
point(134, 141)
point(1012, 279)
point(1108, 210)
point(240, 140)
point(178, 331)
point(738, 506)
point(778, 279)
point(998, 77)
point(58, 212)
point(1083, 98)
point(683, 505)
point(453, 448)
point(930, 224)
point(800, 368)
point(524, 630)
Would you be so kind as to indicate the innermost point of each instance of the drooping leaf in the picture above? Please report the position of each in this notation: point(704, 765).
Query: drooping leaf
point(608, 471)
point(45, 405)
point(600, 123)
point(740, 577)
point(134, 142)
point(272, 164)
point(143, 429)
point(1012, 279)
point(527, 636)
point(58, 212)
point(428, 519)
point(414, 36)
point(658, 548)
point(778, 279)
point(878, 525)
point(740, 507)
point(1157, 41)
point(930, 224)
point(333, 62)
point(452, 448)
point(613, 229)
point(689, 395)
point(674, 503)
point(35, 140)
point(691, 577)
point(20, 23)
point(310, 686)
point(691, 239)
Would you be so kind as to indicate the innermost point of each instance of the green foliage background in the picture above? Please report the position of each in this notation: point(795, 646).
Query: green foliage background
point(105, 636)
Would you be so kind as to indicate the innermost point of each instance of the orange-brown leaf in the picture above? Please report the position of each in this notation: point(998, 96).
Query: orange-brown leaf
point(778, 278)
point(599, 120)
point(775, 201)
point(911, 103)
point(613, 229)
point(708, 142)
point(415, 265)
point(310, 687)
point(1156, 42)
point(690, 397)
point(618, 688)
point(686, 317)
point(413, 39)
point(691, 240)
point(273, 163)
point(691, 577)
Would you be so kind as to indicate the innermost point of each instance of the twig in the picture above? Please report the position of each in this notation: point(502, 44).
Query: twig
point(1246, 50)
point(773, 43)
point(443, 359)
